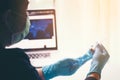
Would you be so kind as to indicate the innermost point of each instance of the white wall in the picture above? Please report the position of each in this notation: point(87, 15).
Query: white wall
point(80, 23)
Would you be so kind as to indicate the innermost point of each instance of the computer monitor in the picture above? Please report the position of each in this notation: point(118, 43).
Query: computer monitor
point(43, 32)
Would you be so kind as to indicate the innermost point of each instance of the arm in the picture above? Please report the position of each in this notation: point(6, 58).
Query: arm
point(39, 70)
point(64, 67)
point(93, 76)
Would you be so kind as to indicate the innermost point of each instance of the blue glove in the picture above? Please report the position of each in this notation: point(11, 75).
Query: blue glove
point(65, 67)
point(100, 58)
point(85, 57)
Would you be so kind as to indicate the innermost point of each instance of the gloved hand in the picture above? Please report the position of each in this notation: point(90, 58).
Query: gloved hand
point(65, 67)
point(100, 58)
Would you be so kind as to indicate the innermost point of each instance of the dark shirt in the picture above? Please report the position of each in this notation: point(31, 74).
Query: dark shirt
point(15, 65)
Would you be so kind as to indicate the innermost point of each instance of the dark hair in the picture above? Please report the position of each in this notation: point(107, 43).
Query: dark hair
point(16, 12)
point(17, 5)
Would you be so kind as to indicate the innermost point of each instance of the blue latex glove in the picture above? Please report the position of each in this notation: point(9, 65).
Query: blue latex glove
point(100, 58)
point(65, 67)
point(85, 58)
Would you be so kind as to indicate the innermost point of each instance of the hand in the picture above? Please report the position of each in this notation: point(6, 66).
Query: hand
point(63, 67)
point(100, 58)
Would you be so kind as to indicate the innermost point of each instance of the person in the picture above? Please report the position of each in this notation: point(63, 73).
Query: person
point(15, 64)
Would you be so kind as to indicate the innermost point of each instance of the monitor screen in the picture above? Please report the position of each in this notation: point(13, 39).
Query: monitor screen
point(40, 29)
point(42, 32)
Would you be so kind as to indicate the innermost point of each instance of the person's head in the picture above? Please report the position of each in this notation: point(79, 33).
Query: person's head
point(14, 22)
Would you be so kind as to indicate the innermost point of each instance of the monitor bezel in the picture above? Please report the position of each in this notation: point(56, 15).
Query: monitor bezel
point(44, 12)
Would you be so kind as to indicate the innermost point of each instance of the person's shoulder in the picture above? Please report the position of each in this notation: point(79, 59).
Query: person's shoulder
point(17, 50)
point(13, 52)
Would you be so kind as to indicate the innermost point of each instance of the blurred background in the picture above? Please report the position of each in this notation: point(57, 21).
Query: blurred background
point(80, 23)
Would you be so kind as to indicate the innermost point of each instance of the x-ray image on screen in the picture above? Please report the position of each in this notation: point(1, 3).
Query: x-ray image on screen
point(41, 29)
